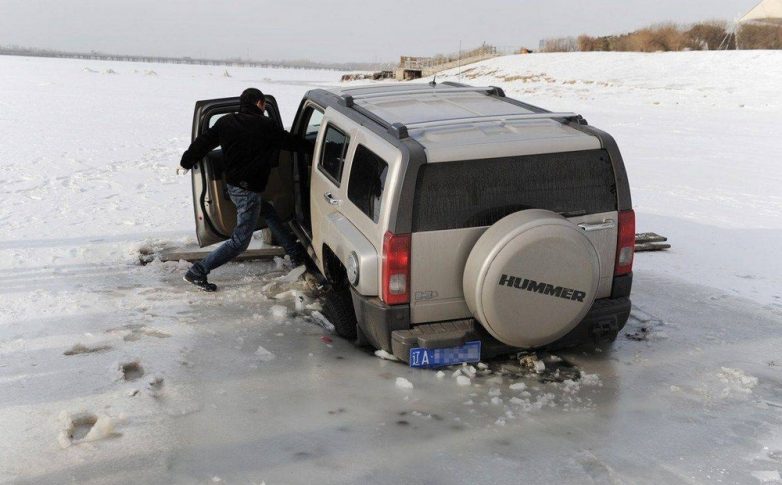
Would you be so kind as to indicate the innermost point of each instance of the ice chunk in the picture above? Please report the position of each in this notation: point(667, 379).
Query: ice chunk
point(321, 320)
point(494, 391)
point(440, 374)
point(518, 386)
point(463, 380)
point(264, 355)
point(293, 274)
point(496, 400)
point(540, 366)
point(482, 366)
point(279, 311)
point(403, 383)
point(298, 301)
point(385, 355)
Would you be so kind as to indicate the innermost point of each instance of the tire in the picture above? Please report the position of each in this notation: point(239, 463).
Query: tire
point(338, 309)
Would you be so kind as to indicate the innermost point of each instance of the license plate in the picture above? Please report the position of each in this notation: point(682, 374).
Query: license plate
point(469, 352)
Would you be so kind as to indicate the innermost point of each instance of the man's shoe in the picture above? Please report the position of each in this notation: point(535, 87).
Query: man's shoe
point(199, 282)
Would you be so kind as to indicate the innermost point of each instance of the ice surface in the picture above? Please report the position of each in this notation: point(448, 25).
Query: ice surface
point(84, 207)
point(767, 476)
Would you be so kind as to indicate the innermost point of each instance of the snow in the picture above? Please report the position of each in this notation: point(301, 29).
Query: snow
point(233, 380)
point(699, 136)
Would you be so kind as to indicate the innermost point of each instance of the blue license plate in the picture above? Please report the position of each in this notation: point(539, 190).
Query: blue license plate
point(469, 352)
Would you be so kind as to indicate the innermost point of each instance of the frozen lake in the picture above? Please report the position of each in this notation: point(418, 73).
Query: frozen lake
point(239, 387)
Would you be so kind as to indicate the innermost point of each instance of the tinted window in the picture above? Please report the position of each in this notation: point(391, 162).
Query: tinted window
point(478, 193)
point(332, 154)
point(367, 180)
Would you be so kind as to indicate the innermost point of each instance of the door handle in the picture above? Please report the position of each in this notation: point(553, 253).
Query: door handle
point(330, 199)
point(606, 224)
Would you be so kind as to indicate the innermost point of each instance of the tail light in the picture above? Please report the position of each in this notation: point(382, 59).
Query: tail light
point(625, 244)
point(396, 268)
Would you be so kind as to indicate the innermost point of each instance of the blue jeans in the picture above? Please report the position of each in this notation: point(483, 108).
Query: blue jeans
point(249, 206)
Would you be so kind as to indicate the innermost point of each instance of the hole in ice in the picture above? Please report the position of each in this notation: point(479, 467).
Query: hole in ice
point(131, 371)
point(81, 426)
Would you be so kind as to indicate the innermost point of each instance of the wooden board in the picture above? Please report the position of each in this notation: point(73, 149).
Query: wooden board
point(194, 255)
point(649, 237)
point(651, 247)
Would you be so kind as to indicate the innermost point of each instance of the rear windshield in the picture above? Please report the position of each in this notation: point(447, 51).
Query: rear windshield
point(474, 193)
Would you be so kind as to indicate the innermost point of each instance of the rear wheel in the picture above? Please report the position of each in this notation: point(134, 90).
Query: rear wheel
point(338, 308)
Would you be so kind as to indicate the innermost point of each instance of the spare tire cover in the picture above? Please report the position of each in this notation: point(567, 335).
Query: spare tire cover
point(531, 278)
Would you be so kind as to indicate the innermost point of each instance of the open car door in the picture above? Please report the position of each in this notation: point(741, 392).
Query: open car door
point(215, 214)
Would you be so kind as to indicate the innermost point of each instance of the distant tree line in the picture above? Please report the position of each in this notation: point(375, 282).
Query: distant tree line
point(711, 35)
point(14, 50)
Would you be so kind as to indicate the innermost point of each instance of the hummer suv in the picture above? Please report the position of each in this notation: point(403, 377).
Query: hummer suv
point(450, 222)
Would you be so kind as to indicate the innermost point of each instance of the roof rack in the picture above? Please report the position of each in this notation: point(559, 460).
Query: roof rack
point(349, 99)
point(479, 119)
point(401, 131)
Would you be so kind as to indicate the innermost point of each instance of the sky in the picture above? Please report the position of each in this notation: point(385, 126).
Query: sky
point(330, 30)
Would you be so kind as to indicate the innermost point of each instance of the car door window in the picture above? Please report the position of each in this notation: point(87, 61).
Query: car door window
point(313, 125)
point(332, 153)
point(367, 181)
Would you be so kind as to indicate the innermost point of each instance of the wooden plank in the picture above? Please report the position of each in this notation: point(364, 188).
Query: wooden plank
point(651, 247)
point(649, 237)
point(194, 255)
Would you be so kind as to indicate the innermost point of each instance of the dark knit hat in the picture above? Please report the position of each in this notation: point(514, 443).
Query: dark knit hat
point(250, 97)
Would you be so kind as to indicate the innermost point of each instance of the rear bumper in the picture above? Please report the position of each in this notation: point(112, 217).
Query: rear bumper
point(378, 321)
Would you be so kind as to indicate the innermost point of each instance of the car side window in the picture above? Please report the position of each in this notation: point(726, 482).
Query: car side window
point(313, 125)
point(367, 181)
point(332, 153)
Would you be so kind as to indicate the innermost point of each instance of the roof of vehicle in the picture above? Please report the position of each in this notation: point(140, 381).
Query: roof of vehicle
point(457, 122)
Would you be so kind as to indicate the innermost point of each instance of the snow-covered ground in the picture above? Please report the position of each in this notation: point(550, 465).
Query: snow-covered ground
point(113, 372)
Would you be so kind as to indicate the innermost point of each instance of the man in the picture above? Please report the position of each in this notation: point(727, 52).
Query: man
point(249, 140)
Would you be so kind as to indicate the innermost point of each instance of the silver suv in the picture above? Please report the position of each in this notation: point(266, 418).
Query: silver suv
point(451, 222)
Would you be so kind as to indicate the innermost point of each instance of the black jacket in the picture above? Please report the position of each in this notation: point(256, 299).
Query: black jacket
point(249, 141)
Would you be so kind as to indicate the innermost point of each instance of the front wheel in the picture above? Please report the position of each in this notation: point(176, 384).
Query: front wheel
point(338, 309)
